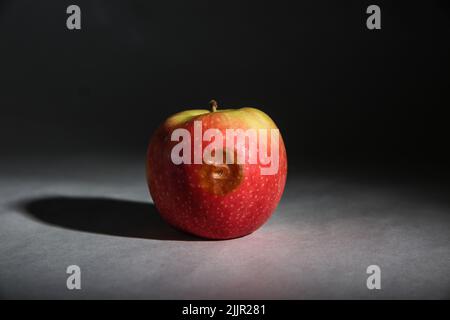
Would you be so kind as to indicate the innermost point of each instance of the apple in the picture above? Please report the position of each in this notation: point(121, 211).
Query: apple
point(210, 183)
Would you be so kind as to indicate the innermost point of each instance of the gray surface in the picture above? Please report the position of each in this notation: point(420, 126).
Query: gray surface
point(96, 213)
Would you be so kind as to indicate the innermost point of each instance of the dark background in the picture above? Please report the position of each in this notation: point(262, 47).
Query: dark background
point(364, 115)
point(340, 93)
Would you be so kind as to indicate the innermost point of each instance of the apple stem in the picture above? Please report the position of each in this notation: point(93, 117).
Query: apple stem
point(214, 106)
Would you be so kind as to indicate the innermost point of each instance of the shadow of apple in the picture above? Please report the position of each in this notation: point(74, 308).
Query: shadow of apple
point(107, 216)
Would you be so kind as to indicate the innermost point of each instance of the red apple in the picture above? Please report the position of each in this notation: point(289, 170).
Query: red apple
point(211, 199)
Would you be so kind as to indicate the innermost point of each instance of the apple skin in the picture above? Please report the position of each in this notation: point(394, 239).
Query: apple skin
point(189, 197)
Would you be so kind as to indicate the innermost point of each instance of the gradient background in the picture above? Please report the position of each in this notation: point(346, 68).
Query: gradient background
point(364, 115)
